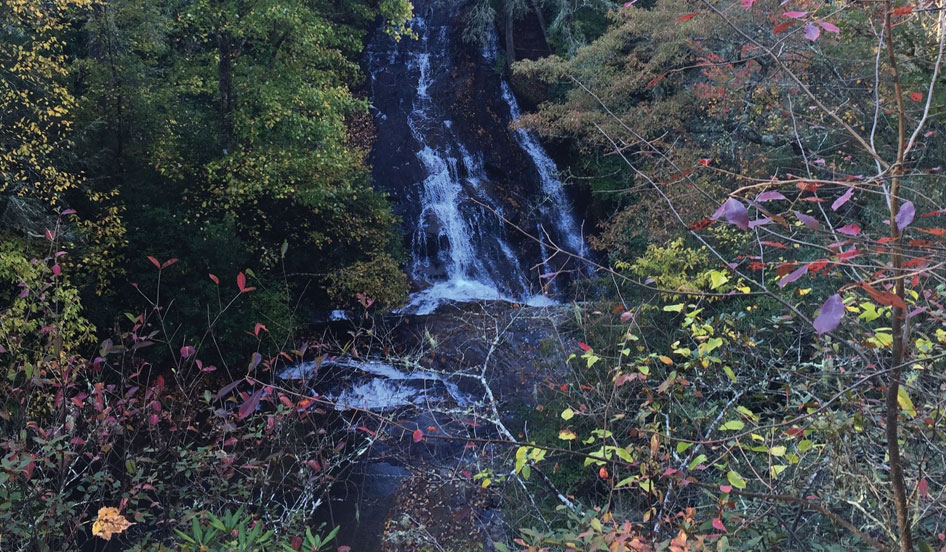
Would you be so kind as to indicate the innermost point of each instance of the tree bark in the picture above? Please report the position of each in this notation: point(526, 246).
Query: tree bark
point(897, 325)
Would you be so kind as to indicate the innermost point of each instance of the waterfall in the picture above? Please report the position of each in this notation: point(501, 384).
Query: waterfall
point(455, 168)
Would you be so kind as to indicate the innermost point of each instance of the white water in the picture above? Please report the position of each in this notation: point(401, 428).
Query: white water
point(380, 386)
point(473, 259)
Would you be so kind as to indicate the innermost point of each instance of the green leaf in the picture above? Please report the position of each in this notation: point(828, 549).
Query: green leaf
point(732, 425)
point(777, 451)
point(730, 374)
point(717, 278)
point(697, 461)
point(683, 447)
point(736, 480)
point(674, 308)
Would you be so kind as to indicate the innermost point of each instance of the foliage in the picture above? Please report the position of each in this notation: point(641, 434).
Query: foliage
point(144, 445)
point(792, 147)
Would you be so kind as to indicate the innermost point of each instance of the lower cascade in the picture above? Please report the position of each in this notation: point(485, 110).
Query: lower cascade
point(459, 174)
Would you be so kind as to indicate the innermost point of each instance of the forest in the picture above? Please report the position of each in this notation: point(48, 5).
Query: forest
point(472, 275)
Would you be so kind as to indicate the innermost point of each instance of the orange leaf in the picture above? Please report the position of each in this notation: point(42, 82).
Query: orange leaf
point(687, 17)
point(902, 10)
point(782, 27)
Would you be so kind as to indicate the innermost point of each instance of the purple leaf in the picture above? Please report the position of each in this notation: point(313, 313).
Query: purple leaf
point(849, 230)
point(254, 361)
point(759, 222)
point(226, 389)
point(735, 213)
point(843, 199)
point(830, 315)
point(187, 351)
point(831, 28)
point(795, 14)
point(905, 215)
point(808, 221)
point(812, 32)
point(794, 275)
point(249, 406)
point(769, 196)
point(746, 4)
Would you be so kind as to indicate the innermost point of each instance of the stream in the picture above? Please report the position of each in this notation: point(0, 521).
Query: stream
point(467, 187)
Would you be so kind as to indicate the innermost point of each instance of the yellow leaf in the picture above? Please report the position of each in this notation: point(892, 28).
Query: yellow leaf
point(903, 399)
point(567, 435)
point(568, 414)
point(665, 359)
point(109, 522)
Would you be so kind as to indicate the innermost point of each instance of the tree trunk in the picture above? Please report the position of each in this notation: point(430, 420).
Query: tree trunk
point(225, 84)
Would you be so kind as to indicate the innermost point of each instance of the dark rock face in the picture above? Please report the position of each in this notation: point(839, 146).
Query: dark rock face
point(454, 168)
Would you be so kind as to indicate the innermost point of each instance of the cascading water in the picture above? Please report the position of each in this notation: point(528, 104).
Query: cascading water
point(455, 169)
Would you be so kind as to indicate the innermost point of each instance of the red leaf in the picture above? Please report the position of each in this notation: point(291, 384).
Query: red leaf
point(830, 314)
point(187, 351)
point(815, 266)
point(923, 487)
point(718, 525)
point(795, 14)
point(418, 435)
point(366, 430)
point(884, 297)
point(701, 224)
point(830, 27)
point(214, 279)
point(775, 244)
point(687, 17)
point(241, 282)
point(902, 10)
point(603, 473)
point(940, 232)
point(50, 235)
point(782, 27)
point(155, 262)
point(808, 186)
point(849, 230)
point(259, 327)
point(584, 346)
point(725, 488)
point(57, 270)
point(916, 96)
point(746, 4)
